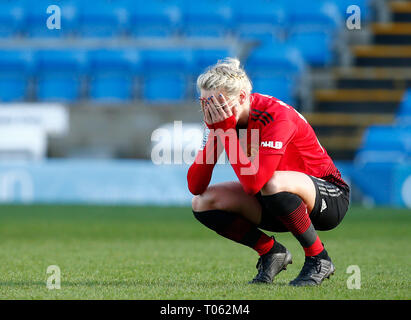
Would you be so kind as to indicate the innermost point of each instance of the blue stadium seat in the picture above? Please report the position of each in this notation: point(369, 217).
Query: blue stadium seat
point(59, 74)
point(315, 47)
point(15, 70)
point(168, 59)
point(38, 19)
point(164, 88)
point(12, 18)
point(165, 74)
point(154, 18)
point(403, 116)
point(385, 143)
point(112, 74)
point(258, 35)
point(387, 137)
point(275, 59)
point(109, 19)
point(260, 12)
point(203, 58)
point(260, 20)
point(319, 15)
point(280, 87)
point(405, 106)
point(206, 18)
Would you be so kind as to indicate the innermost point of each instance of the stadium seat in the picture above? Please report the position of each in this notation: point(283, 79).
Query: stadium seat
point(280, 87)
point(12, 18)
point(263, 12)
point(59, 74)
point(319, 15)
point(165, 74)
point(403, 116)
point(405, 106)
point(258, 35)
point(168, 59)
point(206, 19)
point(203, 58)
point(154, 18)
point(315, 46)
point(164, 88)
point(110, 19)
point(15, 70)
point(261, 20)
point(273, 59)
point(388, 137)
point(112, 74)
point(37, 19)
point(385, 143)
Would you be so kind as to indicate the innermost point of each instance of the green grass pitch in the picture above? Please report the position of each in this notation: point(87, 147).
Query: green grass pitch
point(164, 253)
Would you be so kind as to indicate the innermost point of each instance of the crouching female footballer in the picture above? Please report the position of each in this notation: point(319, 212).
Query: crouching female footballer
point(288, 183)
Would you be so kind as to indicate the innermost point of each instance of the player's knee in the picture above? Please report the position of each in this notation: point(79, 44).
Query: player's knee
point(276, 184)
point(196, 203)
point(205, 201)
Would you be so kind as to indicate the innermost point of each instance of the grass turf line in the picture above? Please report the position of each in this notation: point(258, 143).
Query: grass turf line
point(164, 253)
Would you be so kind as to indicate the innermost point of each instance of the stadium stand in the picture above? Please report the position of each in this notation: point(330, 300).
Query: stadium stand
point(404, 112)
point(314, 15)
point(12, 17)
point(59, 74)
point(261, 23)
point(216, 20)
point(263, 30)
point(318, 55)
point(15, 69)
point(385, 143)
point(372, 83)
point(277, 86)
point(36, 15)
point(108, 20)
point(112, 74)
point(167, 73)
point(154, 18)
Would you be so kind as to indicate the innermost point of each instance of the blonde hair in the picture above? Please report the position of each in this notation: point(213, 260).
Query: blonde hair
point(226, 75)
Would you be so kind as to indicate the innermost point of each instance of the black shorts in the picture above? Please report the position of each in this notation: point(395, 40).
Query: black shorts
point(331, 205)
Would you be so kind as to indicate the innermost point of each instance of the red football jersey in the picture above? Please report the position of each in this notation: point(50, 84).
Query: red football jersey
point(283, 130)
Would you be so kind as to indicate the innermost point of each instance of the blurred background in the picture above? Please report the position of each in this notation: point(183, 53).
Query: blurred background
point(85, 84)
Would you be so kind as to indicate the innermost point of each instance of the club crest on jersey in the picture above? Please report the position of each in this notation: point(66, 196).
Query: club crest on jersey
point(272, 144)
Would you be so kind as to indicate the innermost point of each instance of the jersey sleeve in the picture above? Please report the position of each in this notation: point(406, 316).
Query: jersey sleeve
point(276, 136)
point(200, 172)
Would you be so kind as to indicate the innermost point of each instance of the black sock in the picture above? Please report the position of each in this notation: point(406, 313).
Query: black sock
point(234, 227)
point(323, 255)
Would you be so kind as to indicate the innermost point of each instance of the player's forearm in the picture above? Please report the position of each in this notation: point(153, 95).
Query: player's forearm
point(199, 176)
point(200, 172)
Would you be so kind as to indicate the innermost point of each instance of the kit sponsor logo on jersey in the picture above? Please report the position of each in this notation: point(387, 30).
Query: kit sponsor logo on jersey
point(272, 144)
